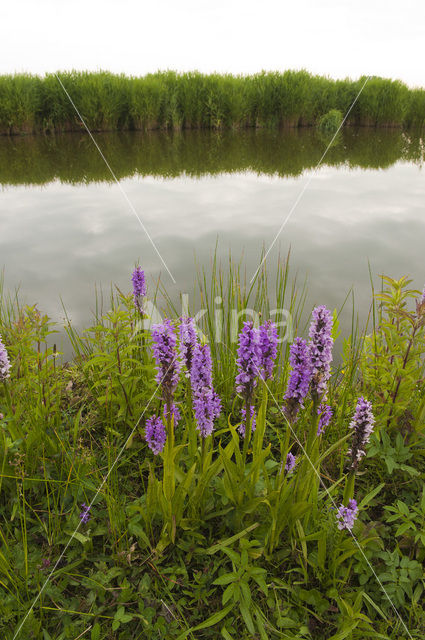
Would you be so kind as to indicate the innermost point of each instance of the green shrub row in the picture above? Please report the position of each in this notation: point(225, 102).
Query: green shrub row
point(171, 100)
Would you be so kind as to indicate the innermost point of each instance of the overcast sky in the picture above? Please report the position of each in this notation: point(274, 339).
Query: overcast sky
point(338, 38)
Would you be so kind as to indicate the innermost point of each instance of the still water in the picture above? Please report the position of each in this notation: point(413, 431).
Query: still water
point(66, 227)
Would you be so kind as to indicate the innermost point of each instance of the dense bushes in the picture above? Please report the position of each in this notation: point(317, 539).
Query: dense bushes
point(170, 100)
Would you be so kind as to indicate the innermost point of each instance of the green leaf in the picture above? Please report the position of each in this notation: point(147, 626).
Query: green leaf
point(404, 509)
point(247, 617)
point(391, 464)
point(228, 593)
point(209, 622)
point(226, 635)
point(233, 555)
point(229, 541)
point(246, 592)
point(226, 578)
point(78, 536)
point(95, 632)
point(371, 495)
point(403, 528)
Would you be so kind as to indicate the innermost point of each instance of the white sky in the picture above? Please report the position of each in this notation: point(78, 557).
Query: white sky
point(338, 38)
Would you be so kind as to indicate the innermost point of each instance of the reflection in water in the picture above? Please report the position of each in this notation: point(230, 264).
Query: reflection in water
point(73, 158)
point(61, 239)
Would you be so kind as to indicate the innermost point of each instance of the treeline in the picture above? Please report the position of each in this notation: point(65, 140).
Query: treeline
point(174, 101)
point(74, 159)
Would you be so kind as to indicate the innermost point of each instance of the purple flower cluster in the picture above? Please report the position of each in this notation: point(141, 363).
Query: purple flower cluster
point(155, 434)
point(299, 379)
point(268, 348)
point(248, 361)
point(206, 403)
point(165, 353)
point(207, 407)
point(201, 371)
point(188, 341)
point(325, 412)
point(242, 425)
point(175, 413)
point(139, 287)
point(320, 345)
point(291, 461)
point(362, 425)
point(85, 513)
point(347, 515)
point(4, 362)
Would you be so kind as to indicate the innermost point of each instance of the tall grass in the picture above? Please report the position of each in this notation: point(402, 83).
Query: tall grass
point(192, 100)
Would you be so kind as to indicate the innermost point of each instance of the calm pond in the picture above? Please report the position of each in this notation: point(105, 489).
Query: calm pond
point(66, 227)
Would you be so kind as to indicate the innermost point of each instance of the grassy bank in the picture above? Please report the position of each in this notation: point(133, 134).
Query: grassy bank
point(174, 101)
point(74, 159)
point(212, 537)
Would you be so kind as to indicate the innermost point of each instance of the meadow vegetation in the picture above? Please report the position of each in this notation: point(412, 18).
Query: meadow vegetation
point(151, 519)
point(172, 101)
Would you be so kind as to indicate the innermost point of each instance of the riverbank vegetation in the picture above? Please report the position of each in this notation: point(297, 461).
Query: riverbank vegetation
point(173, 101)
point(222, 483)
point(74, 159)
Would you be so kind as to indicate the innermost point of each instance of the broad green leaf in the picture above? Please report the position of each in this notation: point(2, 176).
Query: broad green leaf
point(226, 578)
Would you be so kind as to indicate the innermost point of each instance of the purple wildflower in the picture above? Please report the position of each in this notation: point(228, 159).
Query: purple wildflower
point(85, 513)
point(155, 434)
point(206, 403)
point(268, 348)
point(207, 407)
point(299, 379)
point(248, 361)
point(325, 412)
point(291, 461)
point(165, 353)
point(362, 424)
point(188, 341)
point(175, 413)
point(139, 287)
point(347, 515)
point(320, 345)
point(4, 362)
point(201, 371)
point(242, 425)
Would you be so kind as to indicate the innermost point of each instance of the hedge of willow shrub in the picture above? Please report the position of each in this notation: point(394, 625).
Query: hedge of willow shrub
point(152, 488)
point(192, 100)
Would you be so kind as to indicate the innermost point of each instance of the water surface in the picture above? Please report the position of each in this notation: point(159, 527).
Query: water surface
point(65, 225)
